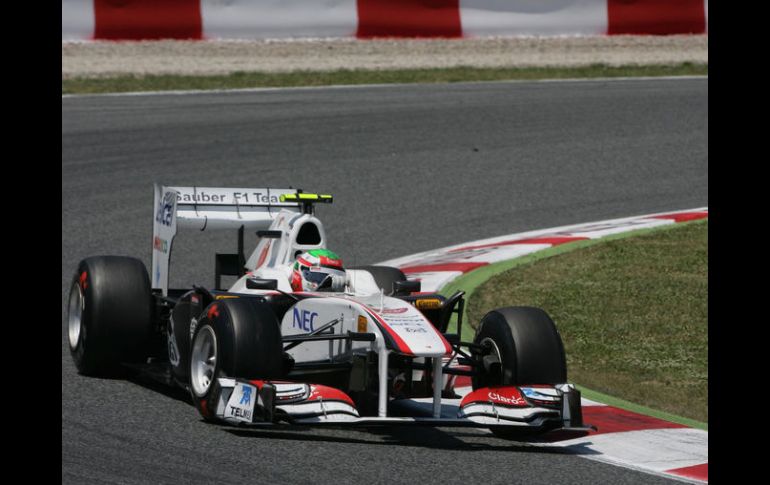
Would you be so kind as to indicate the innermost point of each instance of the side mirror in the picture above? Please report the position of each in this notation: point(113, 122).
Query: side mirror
point(405, 287)
point(261, 284)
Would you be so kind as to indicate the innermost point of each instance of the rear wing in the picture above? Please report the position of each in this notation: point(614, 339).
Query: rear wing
point(211, 208)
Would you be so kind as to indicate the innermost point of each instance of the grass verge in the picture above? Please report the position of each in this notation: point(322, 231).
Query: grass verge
point(632, 311)
point(241, 80)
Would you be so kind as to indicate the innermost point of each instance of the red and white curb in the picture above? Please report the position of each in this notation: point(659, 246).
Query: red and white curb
point(624, 438)
point(366, 19)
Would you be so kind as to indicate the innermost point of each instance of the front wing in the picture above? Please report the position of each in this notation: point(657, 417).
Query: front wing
point(529, 410)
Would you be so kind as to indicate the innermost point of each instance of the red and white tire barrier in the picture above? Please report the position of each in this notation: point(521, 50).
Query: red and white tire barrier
point(624, 438)
point(263, 19)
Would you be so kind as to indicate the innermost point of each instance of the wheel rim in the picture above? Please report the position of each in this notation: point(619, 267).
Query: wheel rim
point(75, 315)
point(203, 361)
point(495, 348)
point(496, 353)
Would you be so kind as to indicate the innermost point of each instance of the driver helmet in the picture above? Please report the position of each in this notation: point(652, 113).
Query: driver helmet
point(318, 270)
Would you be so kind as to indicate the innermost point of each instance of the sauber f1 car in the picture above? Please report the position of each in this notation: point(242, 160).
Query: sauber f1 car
point(299, 339)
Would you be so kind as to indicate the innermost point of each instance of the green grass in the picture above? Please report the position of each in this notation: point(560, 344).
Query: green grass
point(632, 311)
point(240, 80)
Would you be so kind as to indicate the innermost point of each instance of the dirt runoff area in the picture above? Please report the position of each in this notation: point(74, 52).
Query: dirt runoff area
point(109, 59)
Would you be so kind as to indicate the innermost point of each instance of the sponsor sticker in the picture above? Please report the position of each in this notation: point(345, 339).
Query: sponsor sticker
point(160, 244)
point(220, 196)
point(537, 394)
point(246, 396)
point(512, 400)
point(240, 406)
point(164, 214)
point(409, 320)
point(428, 303)
point(304, 320)
point(201, 197)
point(529, 392)
point(391, 311)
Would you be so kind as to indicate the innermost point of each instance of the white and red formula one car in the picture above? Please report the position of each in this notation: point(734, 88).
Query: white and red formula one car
point(298, 338)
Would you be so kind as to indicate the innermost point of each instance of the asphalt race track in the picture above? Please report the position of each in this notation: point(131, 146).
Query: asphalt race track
point(411, 168)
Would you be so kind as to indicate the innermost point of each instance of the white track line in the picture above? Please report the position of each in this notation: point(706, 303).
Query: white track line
point(193, 92)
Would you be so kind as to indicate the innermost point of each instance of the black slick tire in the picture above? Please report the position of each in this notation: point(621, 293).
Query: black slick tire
point(246, 339)
point(109, 314)
point(530, 348)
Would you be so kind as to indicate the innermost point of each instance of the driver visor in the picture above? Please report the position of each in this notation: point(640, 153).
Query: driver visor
point(316, 277)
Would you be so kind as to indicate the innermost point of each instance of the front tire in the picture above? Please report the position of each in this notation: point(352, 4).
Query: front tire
point(236, 337)
point(109, 314)
point(525, 348)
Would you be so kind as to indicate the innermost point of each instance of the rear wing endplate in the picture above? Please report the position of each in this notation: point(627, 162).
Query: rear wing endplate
point(206, 208)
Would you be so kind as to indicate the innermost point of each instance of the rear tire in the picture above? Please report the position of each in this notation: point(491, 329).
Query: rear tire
point(236, 337)
point(385, 276)
point(109, 314)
